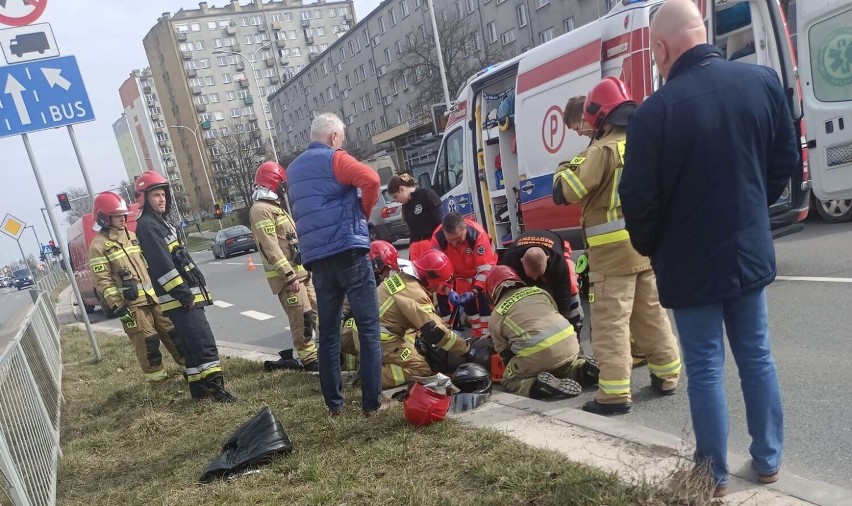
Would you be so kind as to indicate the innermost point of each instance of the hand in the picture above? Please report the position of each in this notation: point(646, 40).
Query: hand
point(123, 314)
point(188, 303)
point(295, 286)
point(460, 300)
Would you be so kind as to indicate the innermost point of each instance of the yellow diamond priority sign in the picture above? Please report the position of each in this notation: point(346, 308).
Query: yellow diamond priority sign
point(13, 227)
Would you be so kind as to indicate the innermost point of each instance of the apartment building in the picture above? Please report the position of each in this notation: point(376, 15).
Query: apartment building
point(214, 67)
point(142, 135)
point(356, 77)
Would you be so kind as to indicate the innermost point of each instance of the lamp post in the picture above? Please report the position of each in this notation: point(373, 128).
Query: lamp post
point(440, 55)
point(201, 154)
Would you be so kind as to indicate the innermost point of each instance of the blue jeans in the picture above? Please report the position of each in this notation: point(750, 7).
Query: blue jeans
point(700, 330)
point(350, 274)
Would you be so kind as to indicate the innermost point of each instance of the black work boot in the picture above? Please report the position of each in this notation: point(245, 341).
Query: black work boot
point(607, 409)
point(657, 384)
point(585, 370)
point(216, 390)
point(285, 362)
point(548, 386)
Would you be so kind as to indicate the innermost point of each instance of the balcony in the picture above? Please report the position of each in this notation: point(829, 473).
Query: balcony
point(313, 56)
point(158, 130)
point(274, 79)
point(231, 30)
point(163, 143)
point(181, 37)
point(270, 62)
point(309, 39)
point(146, 89)
point(191, 73)
point(210, 141)
point(241, 66)
point(277, 25)
point(306, 23)
point(349, 19)
point(251, 117)
point(261, 28)
point(155, 116)
point(187, 55)
point(243, 83)
point(285, 60)
point(256, 134)
point(280, 43)
point(200, 107)
point(248, 100)
point(196, 90)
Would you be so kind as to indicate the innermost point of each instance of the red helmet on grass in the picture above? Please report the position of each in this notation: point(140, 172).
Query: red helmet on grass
point(423, 406)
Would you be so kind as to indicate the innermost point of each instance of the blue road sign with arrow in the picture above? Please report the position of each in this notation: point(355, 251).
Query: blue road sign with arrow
point(42, 94)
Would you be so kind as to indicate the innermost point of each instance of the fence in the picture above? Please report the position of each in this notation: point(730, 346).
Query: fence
point(30, 399)
point(51, 279)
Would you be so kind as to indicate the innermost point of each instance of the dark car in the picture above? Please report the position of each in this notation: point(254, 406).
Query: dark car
point(22, 278)
point(386, 221)
point(232, 240)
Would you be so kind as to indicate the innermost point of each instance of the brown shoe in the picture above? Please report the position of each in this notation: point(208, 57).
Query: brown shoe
point(720, 491)
point(765, 479)
point(385, 404)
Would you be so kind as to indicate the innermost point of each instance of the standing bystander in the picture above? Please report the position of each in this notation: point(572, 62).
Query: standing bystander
point(421, 210)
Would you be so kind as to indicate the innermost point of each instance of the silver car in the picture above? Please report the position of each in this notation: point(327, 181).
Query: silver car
point(386, 221)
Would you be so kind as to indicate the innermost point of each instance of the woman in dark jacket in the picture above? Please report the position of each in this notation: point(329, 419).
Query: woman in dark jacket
point(421, 210)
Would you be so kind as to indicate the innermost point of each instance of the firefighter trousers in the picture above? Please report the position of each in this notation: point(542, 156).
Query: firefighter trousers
point(400, 358)
point(301, 311)
point(520, 373)
point(201, 356)
point(148, 329)
point(622, 306)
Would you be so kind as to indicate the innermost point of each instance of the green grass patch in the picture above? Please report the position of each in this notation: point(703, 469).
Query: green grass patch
point(127, 442)
point(54, 294)
point(194, 243)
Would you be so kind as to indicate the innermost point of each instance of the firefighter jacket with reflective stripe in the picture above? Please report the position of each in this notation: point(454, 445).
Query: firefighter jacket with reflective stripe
point(278, 244)
point(119, 269)
point(176, 282)
point(525, 320)
point(473, 258)
point(591, 179)
point(405, 307)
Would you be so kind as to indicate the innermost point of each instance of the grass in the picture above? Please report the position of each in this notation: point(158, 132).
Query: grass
point(54, 294)
point(126, 442)
point(194, 243)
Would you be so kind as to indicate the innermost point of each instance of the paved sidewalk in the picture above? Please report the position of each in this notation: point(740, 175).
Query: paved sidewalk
point(632, 451)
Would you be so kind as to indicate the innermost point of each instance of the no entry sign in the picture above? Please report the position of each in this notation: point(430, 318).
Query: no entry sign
point(21, 12)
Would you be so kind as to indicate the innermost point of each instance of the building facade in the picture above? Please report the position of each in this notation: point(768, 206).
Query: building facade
point(127, 147)
point(358, 79)
point(214, 68)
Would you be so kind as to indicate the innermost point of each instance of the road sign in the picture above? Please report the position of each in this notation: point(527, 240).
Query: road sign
point(42, 94)
point(46, 249)
point(227, 209)
point(13, 227)
point(27, 43)
point(21, 12)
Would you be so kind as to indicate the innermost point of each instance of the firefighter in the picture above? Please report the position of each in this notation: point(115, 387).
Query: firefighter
point(180, 287)
point(541, 258)
point(469, 250)
point(536, 342)
point(278, 244)
point(622, 293)
point(121, 277)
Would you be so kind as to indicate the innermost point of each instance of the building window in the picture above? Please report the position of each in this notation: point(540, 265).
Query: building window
point(291, 34)
point(320, 31)
point(569, 24)
point(412, 41)
point(471, 6)
point(508, 37)
point(217, 43)
point(398, 49)
point(298, 52)
point(332, 13)
point(392, 17)
point(403, 6)
point(477, 41)
point(226, 78)
point(545, 36)
point(210, 81)
point(523, 20)
point(195, 27)
point(381, 24)
point(541, 3)
point(211, 25)
point(492, 32)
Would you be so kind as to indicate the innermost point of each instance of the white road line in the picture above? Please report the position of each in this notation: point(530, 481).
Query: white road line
point(234, 263)
point(257, 315)
point(814, 279)
point(219, 303)
point(215, 263)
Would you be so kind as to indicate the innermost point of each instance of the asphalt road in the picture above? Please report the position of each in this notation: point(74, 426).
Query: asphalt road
point(13, 307)
point(810, 324)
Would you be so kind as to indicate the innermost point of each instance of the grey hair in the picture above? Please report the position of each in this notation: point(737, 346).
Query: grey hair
point(326, 124)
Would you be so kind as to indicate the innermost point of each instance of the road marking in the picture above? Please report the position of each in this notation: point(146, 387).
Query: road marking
point(257, 315)
point(814, 279)
point(219, 303)
point(216, 263)
point(234, 263)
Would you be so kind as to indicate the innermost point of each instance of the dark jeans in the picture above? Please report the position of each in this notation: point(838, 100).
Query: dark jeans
point(349, 274)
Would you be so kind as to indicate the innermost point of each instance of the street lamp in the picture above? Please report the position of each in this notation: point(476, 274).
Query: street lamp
point(201, 154)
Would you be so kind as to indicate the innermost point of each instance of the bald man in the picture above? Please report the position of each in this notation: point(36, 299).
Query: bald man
point(541, 258)
point(707, 154)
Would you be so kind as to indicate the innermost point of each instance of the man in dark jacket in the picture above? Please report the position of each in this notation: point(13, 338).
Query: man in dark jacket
point(707, 154)
point(332, 194)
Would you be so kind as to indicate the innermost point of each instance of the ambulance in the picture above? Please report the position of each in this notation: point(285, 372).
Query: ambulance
point(505, 135)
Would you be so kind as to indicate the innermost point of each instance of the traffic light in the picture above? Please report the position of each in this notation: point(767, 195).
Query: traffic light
point(217, 212)
point(64, 203)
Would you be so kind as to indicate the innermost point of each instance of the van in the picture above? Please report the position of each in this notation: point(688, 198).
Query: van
point(500, 173)
point(29, 43)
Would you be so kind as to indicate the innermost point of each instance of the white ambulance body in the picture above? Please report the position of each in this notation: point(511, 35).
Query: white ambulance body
point(544, 78)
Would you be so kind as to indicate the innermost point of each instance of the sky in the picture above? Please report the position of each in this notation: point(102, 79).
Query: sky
point(106, 38)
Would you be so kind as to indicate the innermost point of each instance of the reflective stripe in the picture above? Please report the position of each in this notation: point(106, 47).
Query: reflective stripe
point(426, 308)
point(200, 376)
point(614, 198)
point(171, 285)
point(541, 341)
point(615, 387)
point(507, 304)
point(665, 370)
point(279, 263)
point(156, 376)
point(263, 224)
point(385, 306)
point(110, 290)
point(98, 261)
point(600, 240)
point(605, 228)
point(451, 341)
point(172, 245)
point(201, 368)
point(165, 278)
point(386, 336)
point(309, 349)
point(398, 374)
point(573, 182)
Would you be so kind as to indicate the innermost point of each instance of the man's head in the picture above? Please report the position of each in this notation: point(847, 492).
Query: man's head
point(328, 129)
point(454, 229)
point(110, 210)
point(573, 116)
point(118, 222)
point(676, 28)
point(156, 198)
point(534, 263)
point(146, 184)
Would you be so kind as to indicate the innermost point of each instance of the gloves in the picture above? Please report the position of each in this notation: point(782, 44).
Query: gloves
point(124, 315)
point(460, 300)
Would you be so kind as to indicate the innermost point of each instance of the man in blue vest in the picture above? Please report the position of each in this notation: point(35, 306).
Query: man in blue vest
point(332, 194)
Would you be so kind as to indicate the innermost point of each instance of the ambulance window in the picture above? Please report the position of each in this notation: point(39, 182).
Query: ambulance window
point(450, 163)
point(830, 45)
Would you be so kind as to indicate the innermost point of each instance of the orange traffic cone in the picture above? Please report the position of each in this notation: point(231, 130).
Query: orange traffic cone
point(251, 266)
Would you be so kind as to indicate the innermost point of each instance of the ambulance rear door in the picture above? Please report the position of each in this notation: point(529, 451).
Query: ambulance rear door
point(825, 67)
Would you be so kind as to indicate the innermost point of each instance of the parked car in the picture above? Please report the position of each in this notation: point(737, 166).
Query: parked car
point(386, 221)
point(23, 278)
point(232, 240)
point(832, 211)
point(6, 283)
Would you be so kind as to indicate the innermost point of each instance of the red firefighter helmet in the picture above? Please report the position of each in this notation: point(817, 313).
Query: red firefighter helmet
point(607, 96)
point(271, 176)
point(108, 204)
point(384, 257)
point(423, 406)
point(150, 180)
point(434, 271)
point(500, 277)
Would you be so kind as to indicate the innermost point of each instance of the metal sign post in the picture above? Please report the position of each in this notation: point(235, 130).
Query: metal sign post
point(83, 165)
point(63, 246)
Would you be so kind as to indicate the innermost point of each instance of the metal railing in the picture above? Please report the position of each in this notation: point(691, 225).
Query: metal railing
point(30, 401)
point(51, 279)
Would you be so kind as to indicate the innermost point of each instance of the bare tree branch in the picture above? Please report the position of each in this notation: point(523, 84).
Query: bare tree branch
point(241, 151)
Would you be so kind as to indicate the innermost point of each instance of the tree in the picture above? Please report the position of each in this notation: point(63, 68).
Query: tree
point(241, 150)
point(464, 55)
